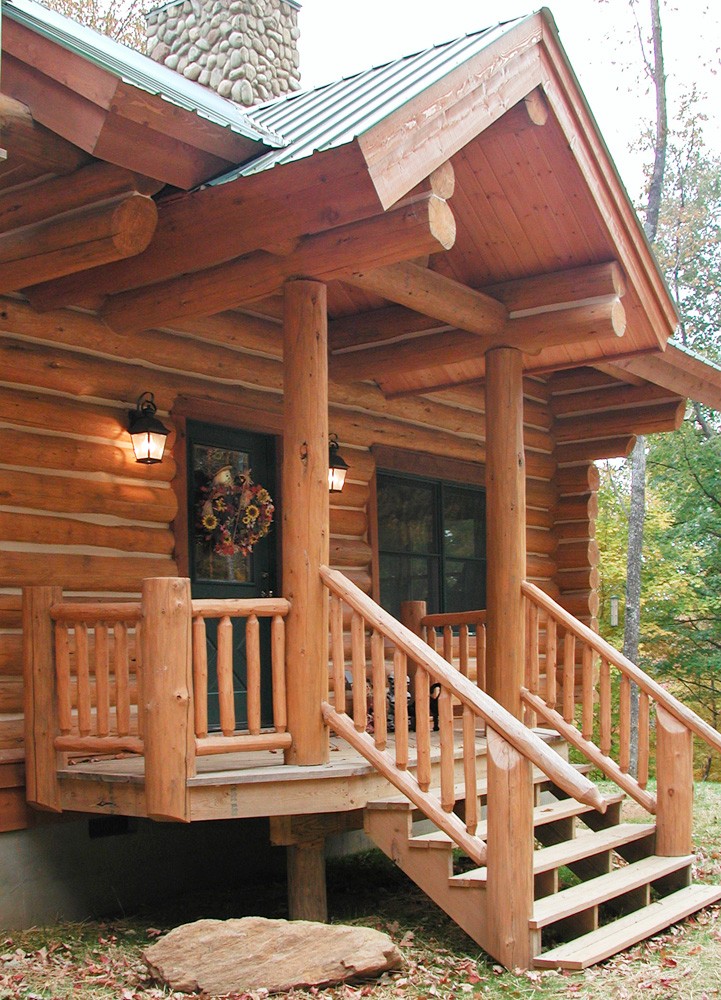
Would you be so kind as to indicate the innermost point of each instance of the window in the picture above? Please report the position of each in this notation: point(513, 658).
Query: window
point(431, 543)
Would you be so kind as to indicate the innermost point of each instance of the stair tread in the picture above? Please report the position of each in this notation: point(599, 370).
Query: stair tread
point(401, 802)
point(585, 845)
point(550, 812)
point(629, 930)
point(599, 890)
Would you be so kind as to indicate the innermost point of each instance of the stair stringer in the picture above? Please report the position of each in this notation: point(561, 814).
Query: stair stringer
point(391, 830)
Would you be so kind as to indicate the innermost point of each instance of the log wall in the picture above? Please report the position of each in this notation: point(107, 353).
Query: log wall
point(76, 510)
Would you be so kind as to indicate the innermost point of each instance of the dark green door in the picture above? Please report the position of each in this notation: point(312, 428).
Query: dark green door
point(218, 567)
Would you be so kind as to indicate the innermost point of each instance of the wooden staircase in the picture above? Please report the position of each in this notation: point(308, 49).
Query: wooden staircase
point(599, 887)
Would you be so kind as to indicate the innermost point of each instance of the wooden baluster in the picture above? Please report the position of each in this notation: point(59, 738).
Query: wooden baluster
point(624, 725)
point(643, 738)
point(431, 637)
point(481, 655)
point(445, 720)
point(277, 643)
point(569, 676)
point(337, 652)
point(200, 676)
point(532, 666)
point(252, 660)
point(140, 677)
point(400, 678)
point(121, 667)
point(587, 689)
point(551, 662)
point(448, 644)
point(605, 707)
point(469, 768)
point(423, 728)
point(358, 661)
point(102, 680)
point(380, 717)
point(62, 678)
point(463, 657)
point(82, 667)
point(226, 702)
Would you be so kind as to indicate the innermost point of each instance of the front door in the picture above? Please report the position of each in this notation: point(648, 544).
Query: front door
point(221, 523)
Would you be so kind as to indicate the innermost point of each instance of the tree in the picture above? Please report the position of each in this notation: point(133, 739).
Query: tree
point(124, 21)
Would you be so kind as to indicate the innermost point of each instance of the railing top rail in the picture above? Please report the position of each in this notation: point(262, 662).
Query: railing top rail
point(262, 607)
point(524, 740)
point(82, 612)
point(455, 618)
point(604, 649)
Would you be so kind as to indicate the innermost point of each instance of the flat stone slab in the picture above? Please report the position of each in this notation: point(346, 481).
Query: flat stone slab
point(236, 956)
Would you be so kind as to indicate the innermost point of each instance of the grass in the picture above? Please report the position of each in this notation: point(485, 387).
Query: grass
point(102, 959)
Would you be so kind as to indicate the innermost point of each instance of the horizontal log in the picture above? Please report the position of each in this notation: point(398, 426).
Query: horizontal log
point(12, 774)
point(11, 655)
point(583, 507)
point(44, 530)
point(99, 744)
point(641, 420)
point(583, 379)
point(561, 289)
point(572, 580)
point(386, 361)
point(540, 494)
point(261, 607)
point(574, 531)
point(74, 241)
point(30, 141)
point(539, 518)
point(25, 408)
point(378, 325)
point(582, 452)
point(355, 496)
point(109, 612)
point(576, 555)
point(581, 605)
point(616, 397)
point(45, 451)
point(540, 567)
point(434, 295)
point(11, 614)
point(345, 552)
point(62, 494)
point(11, 694)
point(95, 183)
point(532, 333)
point(349, 523)
point(579, 480)
point(307, 196)
point(80, 572)
point(423, 227)
point(242, 742)
point(540, 542)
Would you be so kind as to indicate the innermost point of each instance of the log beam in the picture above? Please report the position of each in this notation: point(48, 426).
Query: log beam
point(426, 225)
point(120, 227)
point(26, 140)
point(305, 517)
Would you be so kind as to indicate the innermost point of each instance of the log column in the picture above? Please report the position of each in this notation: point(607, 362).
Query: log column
point(305, 515)
point(505, 527)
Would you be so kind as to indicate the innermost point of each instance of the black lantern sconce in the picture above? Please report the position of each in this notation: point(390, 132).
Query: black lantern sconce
point(337, 466)
point(147, 433)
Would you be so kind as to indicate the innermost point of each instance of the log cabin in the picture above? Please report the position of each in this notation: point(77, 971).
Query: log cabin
point(430, 272)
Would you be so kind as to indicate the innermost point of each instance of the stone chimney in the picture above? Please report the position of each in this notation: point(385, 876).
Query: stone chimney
point(246, 50)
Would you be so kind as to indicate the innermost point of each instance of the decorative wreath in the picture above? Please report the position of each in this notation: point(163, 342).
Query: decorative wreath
point(233, 512)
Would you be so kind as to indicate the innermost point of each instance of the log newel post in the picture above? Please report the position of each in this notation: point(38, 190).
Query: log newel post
point(412, 612)
point(305, 516)
point(505, 527)
point(509, 896)
point(167, 664)
point(40, 698)
point(674, 786)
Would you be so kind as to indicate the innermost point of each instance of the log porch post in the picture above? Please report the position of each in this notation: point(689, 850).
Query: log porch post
point(505, 527)
point(41, 703)
point(305, 515)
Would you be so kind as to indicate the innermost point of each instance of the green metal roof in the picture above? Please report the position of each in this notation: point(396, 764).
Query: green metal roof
point(138, 70)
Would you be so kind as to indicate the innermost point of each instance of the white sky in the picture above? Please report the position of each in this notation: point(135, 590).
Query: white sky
point(339, 38)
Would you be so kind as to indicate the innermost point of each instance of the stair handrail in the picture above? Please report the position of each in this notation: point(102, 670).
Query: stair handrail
point(526, 742)
point(682, 713)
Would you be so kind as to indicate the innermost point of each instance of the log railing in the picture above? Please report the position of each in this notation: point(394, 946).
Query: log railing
point(351, 720)
point(461, 639)
point(578, 684)
point(252, 611)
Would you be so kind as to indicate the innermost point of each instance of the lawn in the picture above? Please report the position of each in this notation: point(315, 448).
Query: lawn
point(102, 959)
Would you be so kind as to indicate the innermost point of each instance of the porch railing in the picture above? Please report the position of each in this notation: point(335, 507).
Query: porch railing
point(580, 685)
point(131, 678)
point(461, 639)
point(351, 721)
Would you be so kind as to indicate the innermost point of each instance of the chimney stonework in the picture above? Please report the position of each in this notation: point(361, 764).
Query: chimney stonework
point(245, 50)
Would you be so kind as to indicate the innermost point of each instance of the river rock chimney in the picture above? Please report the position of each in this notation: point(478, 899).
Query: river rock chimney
point(244, 49)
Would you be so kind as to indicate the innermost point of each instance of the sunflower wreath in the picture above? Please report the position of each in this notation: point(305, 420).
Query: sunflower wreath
point(234, 513)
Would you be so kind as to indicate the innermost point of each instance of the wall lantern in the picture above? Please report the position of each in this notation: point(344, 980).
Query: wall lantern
point(614, 610)
point(337, 466)
point(147, 433)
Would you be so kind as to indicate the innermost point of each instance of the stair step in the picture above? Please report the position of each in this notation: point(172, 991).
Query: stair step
point(549, 813)
point(401, 802)
point(585, 845)
point(628, 930)
point(599, 890)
